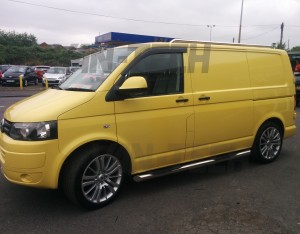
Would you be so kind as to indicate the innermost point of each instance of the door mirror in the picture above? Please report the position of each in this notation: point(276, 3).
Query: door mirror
point(133, 86)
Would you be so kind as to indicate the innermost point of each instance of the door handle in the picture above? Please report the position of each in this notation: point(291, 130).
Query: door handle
point(182, 100)
point(204, 98)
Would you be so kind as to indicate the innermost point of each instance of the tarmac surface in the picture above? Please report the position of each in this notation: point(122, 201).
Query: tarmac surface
point(17, 92)
point(232, 197)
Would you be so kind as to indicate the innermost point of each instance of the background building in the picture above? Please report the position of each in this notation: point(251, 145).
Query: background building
point(113, 39)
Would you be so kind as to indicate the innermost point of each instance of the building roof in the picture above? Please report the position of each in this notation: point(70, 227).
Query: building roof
point(116, 39)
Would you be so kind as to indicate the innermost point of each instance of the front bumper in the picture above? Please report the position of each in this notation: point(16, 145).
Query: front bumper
point(52, 81)
point(29, 163)
point(15, 81)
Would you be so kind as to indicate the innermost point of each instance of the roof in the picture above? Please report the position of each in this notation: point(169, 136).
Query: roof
point(117, 39)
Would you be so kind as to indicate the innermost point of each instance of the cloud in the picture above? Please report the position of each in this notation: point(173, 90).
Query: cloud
point(80, 21)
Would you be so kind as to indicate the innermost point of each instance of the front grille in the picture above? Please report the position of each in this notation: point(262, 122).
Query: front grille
point(53, 81)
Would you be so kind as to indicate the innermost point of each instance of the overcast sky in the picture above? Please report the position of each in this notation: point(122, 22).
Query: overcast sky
point(79, 21)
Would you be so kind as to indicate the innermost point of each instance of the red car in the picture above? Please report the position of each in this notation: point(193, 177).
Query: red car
point(40, 70)
point(297, 68)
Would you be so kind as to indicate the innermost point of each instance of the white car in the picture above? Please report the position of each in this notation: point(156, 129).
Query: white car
point(55, 76)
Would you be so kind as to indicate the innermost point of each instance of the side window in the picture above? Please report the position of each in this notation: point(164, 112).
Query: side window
point(163, 73)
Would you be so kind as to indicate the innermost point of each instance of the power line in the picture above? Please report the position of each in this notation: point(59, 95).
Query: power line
point(107, 16)
point(133, 19)
point(273, 29)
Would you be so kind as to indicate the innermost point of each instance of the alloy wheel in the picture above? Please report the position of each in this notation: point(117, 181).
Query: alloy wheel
point(101, 178)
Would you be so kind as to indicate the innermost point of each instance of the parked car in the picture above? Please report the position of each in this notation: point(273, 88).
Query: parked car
point(12, 75)
point(297, 79)
point(40, 70)
point(55, 76)
point(73, 69)
point(3, 68)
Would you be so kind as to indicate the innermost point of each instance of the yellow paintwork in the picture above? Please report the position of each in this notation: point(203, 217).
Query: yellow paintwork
point(157, 131)
point(136, 81)
point(46, 106)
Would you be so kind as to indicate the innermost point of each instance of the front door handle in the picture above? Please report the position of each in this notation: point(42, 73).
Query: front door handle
point(182, 100)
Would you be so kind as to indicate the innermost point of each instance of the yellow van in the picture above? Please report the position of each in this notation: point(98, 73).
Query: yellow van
point(147, 110)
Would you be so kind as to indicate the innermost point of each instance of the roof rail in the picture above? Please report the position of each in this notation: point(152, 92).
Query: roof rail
point(216, 43)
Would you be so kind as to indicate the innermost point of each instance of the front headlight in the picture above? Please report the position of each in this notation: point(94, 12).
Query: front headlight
point(34, 131)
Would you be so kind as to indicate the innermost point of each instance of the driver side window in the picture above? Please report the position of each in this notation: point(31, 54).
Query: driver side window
point(163, 73)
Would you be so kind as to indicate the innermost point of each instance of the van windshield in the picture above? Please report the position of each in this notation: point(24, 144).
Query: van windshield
point(96, 68)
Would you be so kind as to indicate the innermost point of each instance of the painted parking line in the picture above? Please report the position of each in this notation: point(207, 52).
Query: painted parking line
point(2, 106)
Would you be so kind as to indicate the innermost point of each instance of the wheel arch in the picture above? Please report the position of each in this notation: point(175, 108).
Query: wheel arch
point(275, 120)
point(268, 149)
point(110, 147)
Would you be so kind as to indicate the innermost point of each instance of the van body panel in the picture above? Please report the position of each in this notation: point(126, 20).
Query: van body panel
point(164, 135)
point(156, 129)
point(46, 106)
point(223, 101)
point(269, 77)
point(95, 106)
point(279, 108)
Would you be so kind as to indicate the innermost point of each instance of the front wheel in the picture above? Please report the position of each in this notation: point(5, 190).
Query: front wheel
point(268, 143)
point(93, 178)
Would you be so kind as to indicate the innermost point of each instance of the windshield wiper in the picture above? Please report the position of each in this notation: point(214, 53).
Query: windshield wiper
point(79, 89)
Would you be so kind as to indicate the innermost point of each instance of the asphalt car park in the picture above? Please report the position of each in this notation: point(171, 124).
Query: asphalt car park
point(233, 197)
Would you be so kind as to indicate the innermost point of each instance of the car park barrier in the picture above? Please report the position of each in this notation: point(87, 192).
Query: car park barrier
point(46, 83)
point(21, 82)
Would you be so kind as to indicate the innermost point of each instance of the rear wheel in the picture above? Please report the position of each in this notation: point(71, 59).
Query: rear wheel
point(93, 178)
point(268, 143)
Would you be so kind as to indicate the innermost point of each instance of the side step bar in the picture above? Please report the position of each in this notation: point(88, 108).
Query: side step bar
point(189, 166)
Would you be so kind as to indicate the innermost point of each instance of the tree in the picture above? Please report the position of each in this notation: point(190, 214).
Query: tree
point(281, 46)
point(17, 39)
point(22, 48)
point(296, 48)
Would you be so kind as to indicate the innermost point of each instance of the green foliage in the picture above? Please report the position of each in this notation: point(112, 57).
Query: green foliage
point(17, 39)
point(281, 46)
point(296, 48)
point(23, 49)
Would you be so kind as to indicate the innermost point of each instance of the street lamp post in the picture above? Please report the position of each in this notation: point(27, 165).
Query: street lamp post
point(241, 17)
point(210, 26)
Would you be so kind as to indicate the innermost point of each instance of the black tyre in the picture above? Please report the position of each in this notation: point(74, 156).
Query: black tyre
point(268, 143)
point(93, 178)
point(36, 81)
